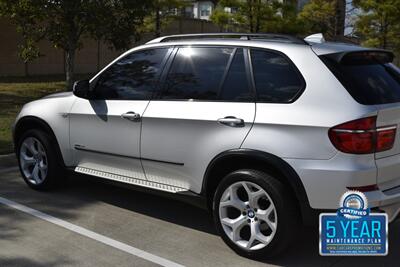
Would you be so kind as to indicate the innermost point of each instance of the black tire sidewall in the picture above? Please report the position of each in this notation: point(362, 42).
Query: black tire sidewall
point(52, 159)
point(287, 216)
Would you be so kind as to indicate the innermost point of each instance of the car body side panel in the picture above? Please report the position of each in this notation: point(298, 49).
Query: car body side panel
point(188, 134)
point(325, 181)
point(54, 110)
point(298, 133)
point(300, 129)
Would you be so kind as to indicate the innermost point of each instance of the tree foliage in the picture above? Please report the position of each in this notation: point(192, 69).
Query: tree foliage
point(378, 23)
point(161, 14)
point(65, 22)
point(257, 15)
point(284, 20)
point(320, 16)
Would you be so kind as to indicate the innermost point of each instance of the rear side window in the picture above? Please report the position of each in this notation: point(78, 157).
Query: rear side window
point(276, 79)
point(196, 73)
point(236, 85)
point(368, 82)
point(207, 73)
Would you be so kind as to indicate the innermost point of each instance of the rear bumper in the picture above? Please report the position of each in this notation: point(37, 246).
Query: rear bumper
point(387, 201)
point(325, 181)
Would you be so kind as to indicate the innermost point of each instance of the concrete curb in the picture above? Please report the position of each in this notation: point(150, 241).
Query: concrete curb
point(7, 161)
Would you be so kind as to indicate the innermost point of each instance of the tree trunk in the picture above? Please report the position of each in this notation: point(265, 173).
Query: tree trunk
point(250, 15)
point(98, 54)
point(158, 22)
point(69, 68)
point(26, 69)
point(258, 15)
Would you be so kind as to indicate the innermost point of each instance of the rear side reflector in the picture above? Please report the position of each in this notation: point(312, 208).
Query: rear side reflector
point(367, 188)
point(362, 136)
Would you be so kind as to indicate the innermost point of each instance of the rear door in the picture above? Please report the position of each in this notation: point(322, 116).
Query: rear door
point(206, 106)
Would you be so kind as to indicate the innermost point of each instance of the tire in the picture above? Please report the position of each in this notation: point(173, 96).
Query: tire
point(271, 207)
point(37, 149)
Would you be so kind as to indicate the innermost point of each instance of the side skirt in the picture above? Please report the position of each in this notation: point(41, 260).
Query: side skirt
point(162, 190)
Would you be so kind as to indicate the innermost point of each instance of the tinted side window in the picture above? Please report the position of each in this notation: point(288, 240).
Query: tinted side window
point(276, 78)
point(368, 82)
point(196, 73)
point(236, 85)
point(132, 77)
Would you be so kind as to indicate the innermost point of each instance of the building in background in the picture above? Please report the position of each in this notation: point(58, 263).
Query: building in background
point(199, 10)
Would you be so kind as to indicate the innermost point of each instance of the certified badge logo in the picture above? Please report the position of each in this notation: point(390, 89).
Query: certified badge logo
point(353, 230)
point(354, 205)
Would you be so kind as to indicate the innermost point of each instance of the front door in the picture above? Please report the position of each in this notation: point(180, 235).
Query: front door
point(105, 130)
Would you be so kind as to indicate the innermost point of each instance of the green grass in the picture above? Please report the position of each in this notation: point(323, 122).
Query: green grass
point(14, 93)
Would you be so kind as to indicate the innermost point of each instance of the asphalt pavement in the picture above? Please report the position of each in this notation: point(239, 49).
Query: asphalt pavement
point(90, 223)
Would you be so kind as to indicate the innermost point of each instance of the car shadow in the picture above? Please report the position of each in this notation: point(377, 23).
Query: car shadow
point(136, 200)
point(304, 252)
point(81, 190)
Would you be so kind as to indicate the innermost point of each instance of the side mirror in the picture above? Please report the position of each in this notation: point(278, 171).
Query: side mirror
point(81, 89)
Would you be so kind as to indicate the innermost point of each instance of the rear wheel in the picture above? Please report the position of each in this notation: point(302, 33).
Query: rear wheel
point(39, 162)
point(254, 214)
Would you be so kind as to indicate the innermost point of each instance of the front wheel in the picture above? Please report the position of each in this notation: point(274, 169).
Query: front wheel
point(255, 214)
point(38, 160)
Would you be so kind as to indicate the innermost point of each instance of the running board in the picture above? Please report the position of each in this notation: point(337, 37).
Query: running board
point(130, 180)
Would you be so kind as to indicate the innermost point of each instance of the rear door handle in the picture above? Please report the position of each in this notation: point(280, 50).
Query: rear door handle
point(132, 116)
point(232, 121)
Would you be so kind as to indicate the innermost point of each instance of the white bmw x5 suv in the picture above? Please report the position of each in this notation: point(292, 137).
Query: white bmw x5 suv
point(266, 131)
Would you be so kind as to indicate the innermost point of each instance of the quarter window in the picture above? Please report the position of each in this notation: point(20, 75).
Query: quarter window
point(277, 80)
point(133, 77)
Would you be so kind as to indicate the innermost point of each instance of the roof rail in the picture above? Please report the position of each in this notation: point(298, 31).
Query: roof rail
point(241, 36)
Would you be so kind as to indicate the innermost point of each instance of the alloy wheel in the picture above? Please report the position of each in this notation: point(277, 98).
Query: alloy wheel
point(248, 215)
point(33, 160)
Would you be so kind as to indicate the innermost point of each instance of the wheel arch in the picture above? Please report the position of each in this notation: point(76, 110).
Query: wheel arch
point(235, 159)
point(31, 122)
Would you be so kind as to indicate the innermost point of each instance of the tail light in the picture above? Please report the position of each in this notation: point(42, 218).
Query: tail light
point(362, 136)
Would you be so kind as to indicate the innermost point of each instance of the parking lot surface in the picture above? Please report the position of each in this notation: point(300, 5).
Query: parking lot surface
point(153, 230)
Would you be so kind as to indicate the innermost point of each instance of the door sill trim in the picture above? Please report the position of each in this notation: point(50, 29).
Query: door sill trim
point(130, 180)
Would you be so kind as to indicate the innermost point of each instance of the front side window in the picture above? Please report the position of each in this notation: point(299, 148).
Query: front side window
point(276, 78)
point(133, 77)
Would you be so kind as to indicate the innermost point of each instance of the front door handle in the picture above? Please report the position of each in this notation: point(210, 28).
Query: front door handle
point(232, 121)
point(132, 116)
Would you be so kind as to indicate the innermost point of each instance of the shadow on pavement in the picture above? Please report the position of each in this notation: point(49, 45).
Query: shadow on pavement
point(83, 190)
point(303, 253)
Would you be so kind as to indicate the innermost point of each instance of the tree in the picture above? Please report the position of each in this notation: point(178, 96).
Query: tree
point(378, 23)
point(65, 22)
point(325, 16)
point(22, 14)
point(284, 20)
point(258, 16)
point(221, 18)
point(246, 14)
point(161, 13)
